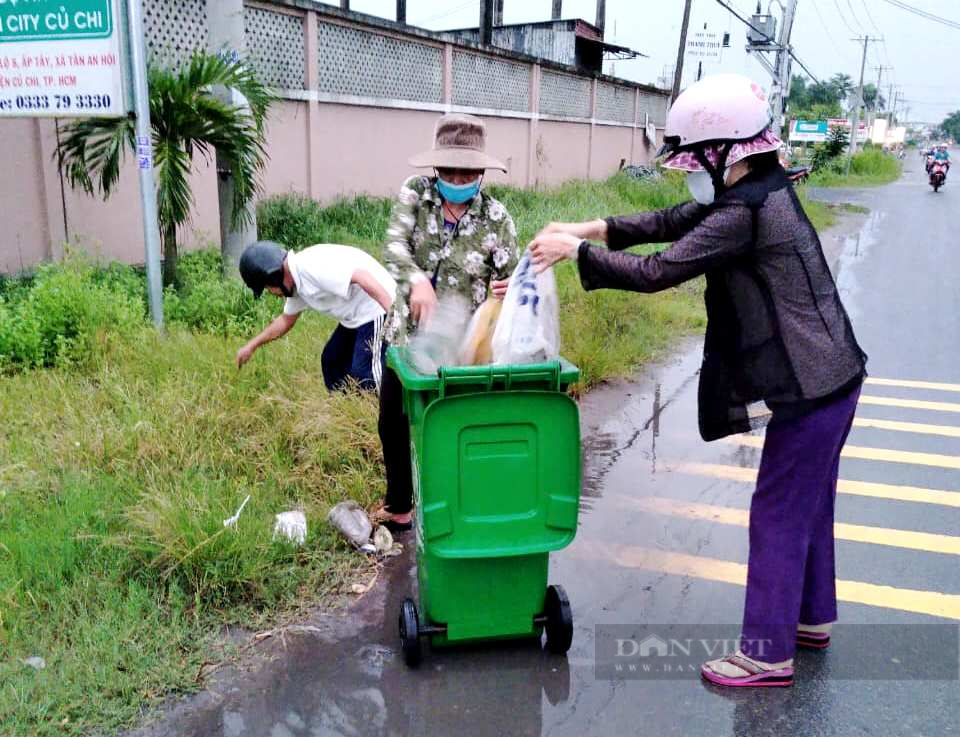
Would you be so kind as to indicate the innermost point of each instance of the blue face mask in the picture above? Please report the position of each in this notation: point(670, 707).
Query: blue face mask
point(458, 193)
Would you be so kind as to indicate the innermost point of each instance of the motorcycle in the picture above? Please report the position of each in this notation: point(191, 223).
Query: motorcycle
point(798, 174)
point(938, 174)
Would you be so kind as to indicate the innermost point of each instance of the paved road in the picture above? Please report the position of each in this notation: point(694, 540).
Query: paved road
point(663, 541)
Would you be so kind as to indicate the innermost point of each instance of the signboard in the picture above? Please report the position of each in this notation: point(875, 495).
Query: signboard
point(812, 131)
point(61, 58)
point(863, 131)
point(704, 45)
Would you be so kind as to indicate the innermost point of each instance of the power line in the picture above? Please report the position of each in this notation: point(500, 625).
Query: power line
point(869, 14)
point(853, 14)
point(768, 38)
point(923, 13)
point(844, 18)
point(826, 28)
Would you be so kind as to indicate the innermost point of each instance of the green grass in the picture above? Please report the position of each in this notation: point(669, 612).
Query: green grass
point(869, 168)
point(121, 458)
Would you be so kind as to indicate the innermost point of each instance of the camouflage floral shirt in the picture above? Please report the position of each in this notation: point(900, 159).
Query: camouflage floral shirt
point(461, 260)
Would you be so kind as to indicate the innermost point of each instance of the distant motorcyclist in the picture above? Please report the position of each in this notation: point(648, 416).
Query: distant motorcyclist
point(942, 154)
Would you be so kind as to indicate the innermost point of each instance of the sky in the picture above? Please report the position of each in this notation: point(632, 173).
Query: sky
point(920, 51)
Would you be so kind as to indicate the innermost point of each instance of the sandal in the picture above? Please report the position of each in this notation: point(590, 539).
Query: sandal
point(739, 670)
point(396, 527)
point(814, 636)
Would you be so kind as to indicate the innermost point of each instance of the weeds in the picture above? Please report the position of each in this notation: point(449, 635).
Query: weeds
point(869, 168)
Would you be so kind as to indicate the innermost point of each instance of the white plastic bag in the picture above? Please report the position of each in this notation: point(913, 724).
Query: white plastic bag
point(437, 343)
point(352, 522)
point(528, 330)
point(292, 526)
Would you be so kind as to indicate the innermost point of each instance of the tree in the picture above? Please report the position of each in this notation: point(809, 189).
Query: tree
point(815, 101)
point(842, 85)
point(186, 118)
point(828, 151)
point(872, 97)
point(950, 127)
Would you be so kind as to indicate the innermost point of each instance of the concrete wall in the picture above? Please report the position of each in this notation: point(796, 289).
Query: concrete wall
point(321, 144)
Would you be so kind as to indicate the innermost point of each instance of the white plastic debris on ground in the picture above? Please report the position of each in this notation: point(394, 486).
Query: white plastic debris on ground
point(351, 520)
point(292, 526)
point(231, 521)
point(384, 543)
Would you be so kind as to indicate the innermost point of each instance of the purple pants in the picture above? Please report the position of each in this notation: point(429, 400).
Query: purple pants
point(791, 576)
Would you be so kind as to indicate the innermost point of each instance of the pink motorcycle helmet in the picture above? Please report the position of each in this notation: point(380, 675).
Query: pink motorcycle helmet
point(717, 122)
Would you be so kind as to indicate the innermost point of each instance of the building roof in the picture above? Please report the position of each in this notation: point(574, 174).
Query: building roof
point(581, 28)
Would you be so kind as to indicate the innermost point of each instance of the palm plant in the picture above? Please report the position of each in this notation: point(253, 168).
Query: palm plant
point(186, 118)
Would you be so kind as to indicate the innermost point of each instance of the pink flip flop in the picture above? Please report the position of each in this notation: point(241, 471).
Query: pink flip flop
point(813, 640)
point(755, 676)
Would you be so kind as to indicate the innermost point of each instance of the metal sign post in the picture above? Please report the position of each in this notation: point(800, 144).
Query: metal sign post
point(144, 134)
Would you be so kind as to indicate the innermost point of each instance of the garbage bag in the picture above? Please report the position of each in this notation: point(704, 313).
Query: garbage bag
point(437, 342)
point(352, 522)
point(528, 330)
point(477, 349)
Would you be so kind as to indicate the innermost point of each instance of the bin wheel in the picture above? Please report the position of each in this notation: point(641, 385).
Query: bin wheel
point(410, 633)
point(559, 625)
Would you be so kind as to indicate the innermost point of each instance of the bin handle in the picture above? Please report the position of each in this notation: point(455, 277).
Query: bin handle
point(484, 376)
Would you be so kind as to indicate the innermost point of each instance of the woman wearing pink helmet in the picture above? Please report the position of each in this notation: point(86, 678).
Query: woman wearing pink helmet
point(777, 332)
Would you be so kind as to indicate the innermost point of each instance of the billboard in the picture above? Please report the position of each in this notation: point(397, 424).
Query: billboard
point(62, 59)
point(808, 131)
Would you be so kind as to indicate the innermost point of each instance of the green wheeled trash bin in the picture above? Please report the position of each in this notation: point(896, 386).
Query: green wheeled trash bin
point(496, 476)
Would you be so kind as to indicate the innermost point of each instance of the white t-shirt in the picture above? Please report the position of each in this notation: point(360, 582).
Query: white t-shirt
point(322, 274)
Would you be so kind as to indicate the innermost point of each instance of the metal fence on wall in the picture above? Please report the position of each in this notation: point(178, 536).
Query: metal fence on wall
point(359, 63)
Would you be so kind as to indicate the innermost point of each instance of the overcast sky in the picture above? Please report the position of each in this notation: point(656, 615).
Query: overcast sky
point(921, 51)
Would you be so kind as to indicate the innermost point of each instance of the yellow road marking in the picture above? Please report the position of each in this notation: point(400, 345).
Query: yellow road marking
point(934, 603)
point(844, 486)
point(936, 386)
point(871, 454)
point(917, 427)
point(926, 541)
point(909, 403)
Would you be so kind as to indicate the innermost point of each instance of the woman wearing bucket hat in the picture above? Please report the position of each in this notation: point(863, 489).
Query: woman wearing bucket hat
point(446, 236)
point(776, 332)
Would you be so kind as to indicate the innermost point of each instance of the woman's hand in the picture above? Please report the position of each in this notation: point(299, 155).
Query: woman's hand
point(549, 248)
point(499, 288)
point(423, 301)
point(591, 230)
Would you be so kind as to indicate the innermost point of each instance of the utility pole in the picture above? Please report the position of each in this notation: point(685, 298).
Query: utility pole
point(780, 87)
point(876, 103)
point(557, 10)
point(855, 116)
point(401, 11)
point(601, 16)
point(678, 71)
point(760, 41)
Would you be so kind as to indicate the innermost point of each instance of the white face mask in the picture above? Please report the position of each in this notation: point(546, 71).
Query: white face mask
point(700, 184)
